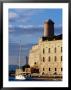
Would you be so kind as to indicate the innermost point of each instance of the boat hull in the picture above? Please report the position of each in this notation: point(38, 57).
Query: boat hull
point(20, 77)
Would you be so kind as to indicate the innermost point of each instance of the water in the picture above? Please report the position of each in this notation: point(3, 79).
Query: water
point(28, 79)
point(13, 79)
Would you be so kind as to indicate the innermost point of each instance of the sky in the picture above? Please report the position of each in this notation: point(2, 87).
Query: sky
point(26, 27)
point(33, 17)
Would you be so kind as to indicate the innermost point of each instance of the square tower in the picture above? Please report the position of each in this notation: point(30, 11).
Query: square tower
point(49, 28)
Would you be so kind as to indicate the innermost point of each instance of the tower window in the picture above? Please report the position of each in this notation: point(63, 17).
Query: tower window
point(49, 50)
point(55, 69)
point(49, 69)
point(49, 59)
point(55, 50)
point(55, 58)
point(43, 59)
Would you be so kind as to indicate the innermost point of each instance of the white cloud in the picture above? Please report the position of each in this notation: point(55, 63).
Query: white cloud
point(12, 15)
point(25, 15)
point(26, 26)
point(11, 30)
point(30, 26)
point(58, 26)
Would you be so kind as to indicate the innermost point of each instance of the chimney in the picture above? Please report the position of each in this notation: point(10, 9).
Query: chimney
point(48, 28)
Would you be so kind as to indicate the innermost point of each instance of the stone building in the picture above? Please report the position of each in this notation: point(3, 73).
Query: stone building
point(47, 54)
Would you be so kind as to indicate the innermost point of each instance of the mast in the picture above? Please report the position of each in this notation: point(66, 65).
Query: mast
point(26, 60)
point(19, 54)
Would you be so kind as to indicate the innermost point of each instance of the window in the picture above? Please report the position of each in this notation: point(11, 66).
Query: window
point(49, 59)
point(61, 58)
point(49, 50)
point(43, 69)
point(55, 69)
point(55, 73)
point(35, 63)
point(49, 69)
point(61, 69)
point(43, 59)
point(55, 50)
point(43, 73)
point(43, 51)
point(61, 49)
point(55, 58)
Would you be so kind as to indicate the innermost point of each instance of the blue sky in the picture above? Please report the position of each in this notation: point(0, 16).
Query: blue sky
point(27, 25)
point(34, 17)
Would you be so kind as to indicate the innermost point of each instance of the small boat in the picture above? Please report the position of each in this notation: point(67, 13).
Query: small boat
point(20, 77)
point(19, 73)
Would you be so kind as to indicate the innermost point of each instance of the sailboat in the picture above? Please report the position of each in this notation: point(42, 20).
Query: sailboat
point(19, 75)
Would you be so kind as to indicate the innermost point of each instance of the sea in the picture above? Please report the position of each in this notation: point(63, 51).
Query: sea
point(28, 79)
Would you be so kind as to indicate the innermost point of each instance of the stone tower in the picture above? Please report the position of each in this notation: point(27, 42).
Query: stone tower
point(48, 28)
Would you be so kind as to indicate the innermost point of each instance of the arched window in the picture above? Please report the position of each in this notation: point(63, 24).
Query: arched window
point(43, 59)
point(61, 69)
point(61, 49)
point(55, 58)
point(43, 73)
point(55, 69)
point(43, 69)
point(49, 69)
point(55, 50)
point(43, 51)
point(55, 73)
point(49, 50)
point(61, 58)
point(49, 59)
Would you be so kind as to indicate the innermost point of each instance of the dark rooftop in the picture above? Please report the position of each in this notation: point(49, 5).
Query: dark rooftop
point(49, 21)
point(58, 37)
point(25, 66)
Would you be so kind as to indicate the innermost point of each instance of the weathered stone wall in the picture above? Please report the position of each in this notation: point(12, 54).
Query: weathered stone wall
point(48, 61)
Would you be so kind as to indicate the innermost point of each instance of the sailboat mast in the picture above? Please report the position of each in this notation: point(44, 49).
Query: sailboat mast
point(19, 54)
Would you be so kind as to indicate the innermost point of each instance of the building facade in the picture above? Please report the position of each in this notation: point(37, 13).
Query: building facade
point(47, 54)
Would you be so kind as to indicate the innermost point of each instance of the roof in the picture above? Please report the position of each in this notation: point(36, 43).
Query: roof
point(49, 21)
point(58, 37)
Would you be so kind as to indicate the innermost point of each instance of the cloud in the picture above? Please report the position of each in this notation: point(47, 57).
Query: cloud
point(26, 26)
point(58, 26)
point(26, 15)
point(12, 15)
point(23, 16)
point(11, 30)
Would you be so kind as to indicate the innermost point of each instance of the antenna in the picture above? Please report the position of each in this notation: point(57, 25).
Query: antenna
point(19, 54)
